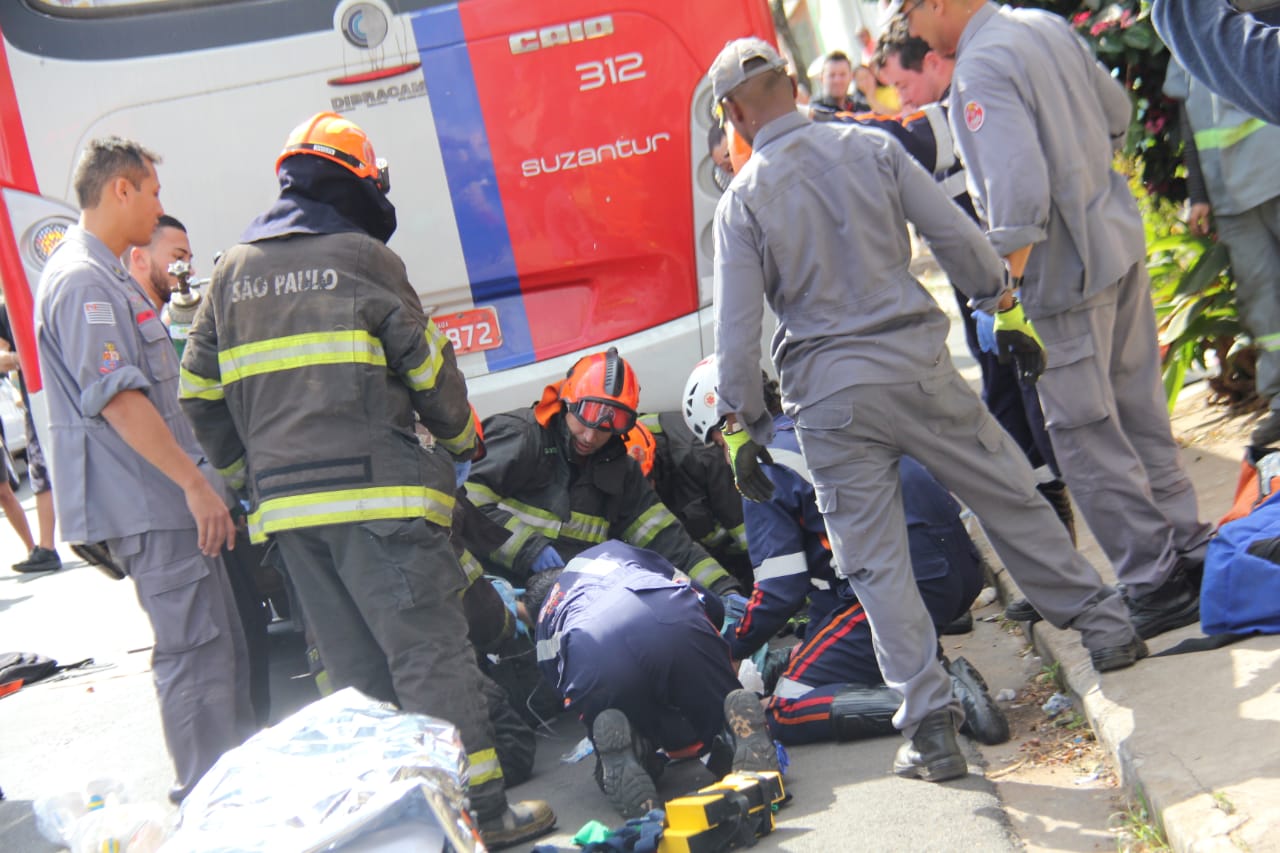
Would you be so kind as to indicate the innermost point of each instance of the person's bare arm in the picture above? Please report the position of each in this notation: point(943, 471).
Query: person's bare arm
point(139, 423)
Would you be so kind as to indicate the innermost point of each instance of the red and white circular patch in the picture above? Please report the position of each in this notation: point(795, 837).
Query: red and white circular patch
point(709, 399)
point(974, 115)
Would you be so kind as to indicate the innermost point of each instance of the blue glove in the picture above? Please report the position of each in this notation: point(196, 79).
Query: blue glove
point(986, 324)
point(461, 470)
point(509, 596)
point(735, 607)
point(547, 559)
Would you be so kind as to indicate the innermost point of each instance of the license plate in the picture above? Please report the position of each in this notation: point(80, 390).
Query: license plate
point(475, 330)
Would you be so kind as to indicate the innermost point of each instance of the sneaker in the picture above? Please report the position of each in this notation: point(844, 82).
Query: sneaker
point(1021, 610)
point(932, 754)
point(522, 821)
point(619, 773)
point(753, 749)
point(41, 560)
point(1173, 604)
point(984, 721)
point(1118, 657)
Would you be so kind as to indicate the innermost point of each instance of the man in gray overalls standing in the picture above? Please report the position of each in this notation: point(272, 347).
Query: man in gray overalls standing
point(815, 223)
point(1037, 120)
point(126, 460)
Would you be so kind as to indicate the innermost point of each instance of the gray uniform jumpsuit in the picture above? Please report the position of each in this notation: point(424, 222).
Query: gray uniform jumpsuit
point(1235, 153)
point(98, 335)
point(1037, 119)
point(815, 223)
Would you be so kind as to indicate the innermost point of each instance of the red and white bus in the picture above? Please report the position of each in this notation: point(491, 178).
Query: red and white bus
point(549, 159)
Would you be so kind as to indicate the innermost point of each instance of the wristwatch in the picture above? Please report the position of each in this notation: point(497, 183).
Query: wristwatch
point(725, 429)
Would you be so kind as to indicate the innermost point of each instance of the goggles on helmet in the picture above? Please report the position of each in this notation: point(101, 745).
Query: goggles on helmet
point(603, 415)
point(380, 173)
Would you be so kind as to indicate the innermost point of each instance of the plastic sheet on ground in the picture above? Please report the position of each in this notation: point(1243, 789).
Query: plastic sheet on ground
point(340, 774)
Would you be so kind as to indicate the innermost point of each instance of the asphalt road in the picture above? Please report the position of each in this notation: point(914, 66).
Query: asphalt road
point(57, 735)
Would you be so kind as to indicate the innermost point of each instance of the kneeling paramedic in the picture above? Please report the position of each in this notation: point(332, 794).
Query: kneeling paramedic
point(829, 687)
point(302, 375)
point(637, 655)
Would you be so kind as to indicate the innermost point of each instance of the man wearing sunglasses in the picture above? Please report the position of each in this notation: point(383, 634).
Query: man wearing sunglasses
point(558, 476)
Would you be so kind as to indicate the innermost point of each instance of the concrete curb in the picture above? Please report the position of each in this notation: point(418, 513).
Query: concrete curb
point(1187, 808)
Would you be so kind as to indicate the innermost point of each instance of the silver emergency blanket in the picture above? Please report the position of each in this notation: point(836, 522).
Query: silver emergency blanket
point(340, 774)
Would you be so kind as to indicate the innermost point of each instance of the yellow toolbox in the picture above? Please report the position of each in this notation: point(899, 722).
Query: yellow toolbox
point(731, 813)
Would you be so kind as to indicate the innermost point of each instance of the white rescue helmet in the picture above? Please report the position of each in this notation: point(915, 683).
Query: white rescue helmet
point(700, 399)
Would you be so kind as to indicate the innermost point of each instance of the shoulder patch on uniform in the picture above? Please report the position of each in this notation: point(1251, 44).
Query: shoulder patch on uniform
point(974, 115)
point(99, 314)
point(110, 358)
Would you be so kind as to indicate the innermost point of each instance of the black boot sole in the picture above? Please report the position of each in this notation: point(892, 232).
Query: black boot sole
point(1118, 657)
point(624, 781)
point(983, 719)
point(753, 749)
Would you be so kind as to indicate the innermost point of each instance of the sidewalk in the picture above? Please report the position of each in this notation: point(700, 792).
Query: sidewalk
point(1198, 735)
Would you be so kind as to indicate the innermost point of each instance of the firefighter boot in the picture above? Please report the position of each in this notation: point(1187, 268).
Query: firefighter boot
point(620, 770)
point(932, 753)
point(502, 824)
point(861, 712)
point(983, 719)
point(745, 728)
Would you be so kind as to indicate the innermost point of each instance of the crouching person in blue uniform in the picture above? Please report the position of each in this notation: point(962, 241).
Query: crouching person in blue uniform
point(830, 687)
point(636, 653)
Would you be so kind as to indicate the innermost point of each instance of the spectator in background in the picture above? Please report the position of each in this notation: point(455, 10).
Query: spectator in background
point(1235, 53)
point(149, 264)
point(1230, 159)
point(834, 83)
point(880, 99)
point(43, 554)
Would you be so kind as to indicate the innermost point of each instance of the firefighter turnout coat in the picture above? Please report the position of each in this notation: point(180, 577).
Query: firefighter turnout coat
point(527, 483)
point(302, 374)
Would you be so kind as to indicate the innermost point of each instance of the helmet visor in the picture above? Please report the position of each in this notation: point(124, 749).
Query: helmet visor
point(604, 414)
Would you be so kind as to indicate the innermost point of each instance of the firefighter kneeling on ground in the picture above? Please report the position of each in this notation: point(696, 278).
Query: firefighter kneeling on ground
point(302, 375)
point(693, 482)
point(558, 476)
point(829, 687)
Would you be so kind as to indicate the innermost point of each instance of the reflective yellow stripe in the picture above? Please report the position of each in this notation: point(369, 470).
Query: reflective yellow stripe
point(647, 527)
point(1270, 343)
point(481, 495)
point(739, 535)
point(1225, 137)
point(586, 528)
point(423, 377)
point(234, 474)
point(651, 423)
point(707, 571)
point(192, 386)
point(347, 506)
point(484, 767)
point(520, 534)
point(463, 441)
point(546, 522)
point(294, 351)
point(471, 568)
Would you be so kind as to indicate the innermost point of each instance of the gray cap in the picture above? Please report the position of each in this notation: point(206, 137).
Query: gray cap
point(727, 71)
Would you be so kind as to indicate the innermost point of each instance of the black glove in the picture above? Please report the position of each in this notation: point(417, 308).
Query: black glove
point(745, 457)
point(1016, 339)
